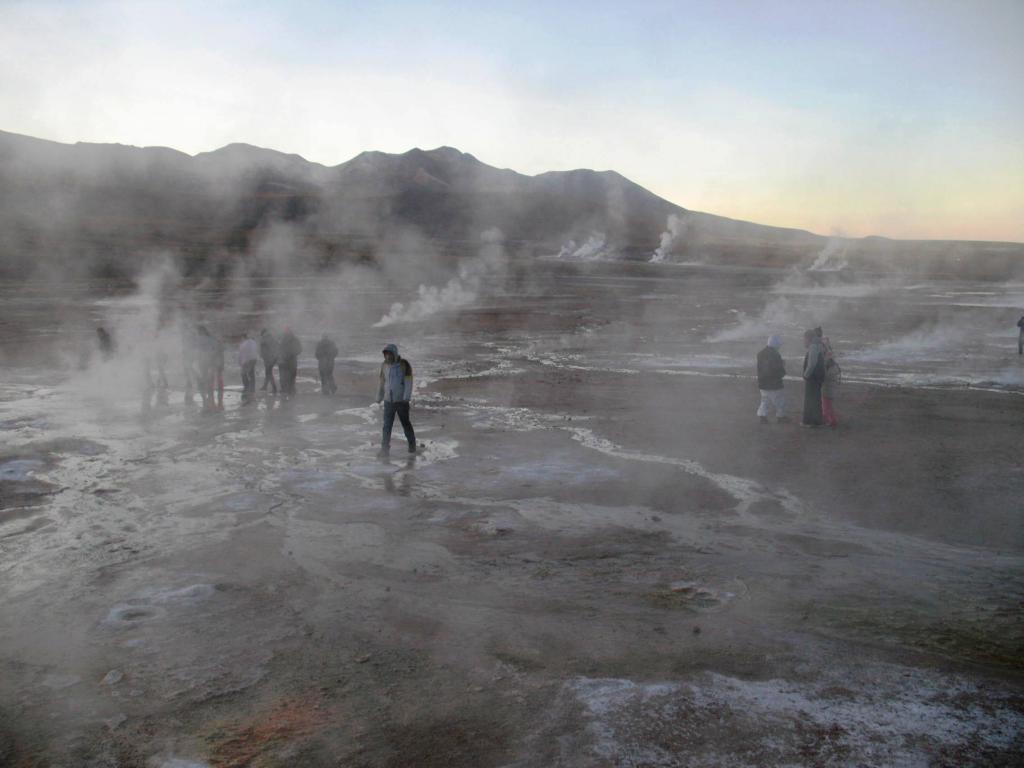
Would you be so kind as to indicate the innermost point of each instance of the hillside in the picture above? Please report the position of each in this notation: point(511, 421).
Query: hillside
point(96, 208)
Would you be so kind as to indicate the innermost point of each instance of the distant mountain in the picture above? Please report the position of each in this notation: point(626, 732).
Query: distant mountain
point(95, 208)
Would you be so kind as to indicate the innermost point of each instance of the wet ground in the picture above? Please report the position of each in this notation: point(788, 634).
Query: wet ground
point(599, 558)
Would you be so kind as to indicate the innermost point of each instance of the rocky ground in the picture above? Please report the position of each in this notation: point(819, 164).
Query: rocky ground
point(581, 568)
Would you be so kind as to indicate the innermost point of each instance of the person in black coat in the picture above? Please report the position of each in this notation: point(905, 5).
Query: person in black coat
point(326, 351)
point(290, 350)
point(268, 352)
point(771, 369)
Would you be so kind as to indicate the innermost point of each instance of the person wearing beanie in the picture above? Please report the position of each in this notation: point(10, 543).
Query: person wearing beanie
point(771, 369)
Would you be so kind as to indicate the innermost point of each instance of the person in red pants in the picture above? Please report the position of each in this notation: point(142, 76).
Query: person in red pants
point(830, 387)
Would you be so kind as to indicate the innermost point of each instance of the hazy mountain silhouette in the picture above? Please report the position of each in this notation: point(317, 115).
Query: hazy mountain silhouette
point(97, 207)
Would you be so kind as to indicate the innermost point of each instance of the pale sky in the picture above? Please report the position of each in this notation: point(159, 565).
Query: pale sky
point(894, 118)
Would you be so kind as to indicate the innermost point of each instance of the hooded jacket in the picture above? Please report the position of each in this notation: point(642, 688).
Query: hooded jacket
point(395, 379)
point(814, 361)
point(770, 369)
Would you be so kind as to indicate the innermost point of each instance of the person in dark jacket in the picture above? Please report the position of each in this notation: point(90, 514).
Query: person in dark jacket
point(290, 350)
point(770, 371)
point(268, 353)
point(814, 375)
point(208, 357)
point(395, 391)
point(1020, 336)
point(106, 342)
point(326, 351)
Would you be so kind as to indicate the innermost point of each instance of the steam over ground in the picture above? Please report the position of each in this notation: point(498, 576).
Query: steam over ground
point(600, 558)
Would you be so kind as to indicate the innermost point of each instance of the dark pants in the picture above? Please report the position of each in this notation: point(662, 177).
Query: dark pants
point(402, 409)
point(289, 369)
point(1020, 343)
point(249, 378)
point(268, 375)
point(327, 385)
point(812, 403)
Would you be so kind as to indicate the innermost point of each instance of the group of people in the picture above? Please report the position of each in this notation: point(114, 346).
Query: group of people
point(821, 374)
point(394, 389)
point(283, 352)
point(203, 367)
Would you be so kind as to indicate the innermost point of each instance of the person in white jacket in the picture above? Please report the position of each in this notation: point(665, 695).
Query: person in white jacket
point(248, 354)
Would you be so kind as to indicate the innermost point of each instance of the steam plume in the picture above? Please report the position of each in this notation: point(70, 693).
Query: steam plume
point(460, 291)
point(594, 248)
point(675, 229)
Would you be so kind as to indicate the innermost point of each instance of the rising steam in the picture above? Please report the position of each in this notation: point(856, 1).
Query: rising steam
point(595, 247)
point(460, 291)
point(675, 232)
point(832, 257)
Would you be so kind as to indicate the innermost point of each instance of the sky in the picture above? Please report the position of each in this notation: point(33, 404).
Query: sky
point(896, 118)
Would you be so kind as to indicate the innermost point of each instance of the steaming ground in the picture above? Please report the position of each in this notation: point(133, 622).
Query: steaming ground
point(601, 558)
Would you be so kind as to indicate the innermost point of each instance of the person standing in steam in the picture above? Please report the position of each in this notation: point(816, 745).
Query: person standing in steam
point(218, 346)
point(207, 352)
point(830, 386)
point(190, 362)
point(814, 375)
point(1020, 336)
point(268, 351)
point(248, 353)
point(290, 350)
point(326, 351)
point(106, 342)
point(395, 391)
point(770, 371)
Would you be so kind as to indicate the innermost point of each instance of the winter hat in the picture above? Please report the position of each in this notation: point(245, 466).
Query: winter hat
point(393, 349)
point(774, 341)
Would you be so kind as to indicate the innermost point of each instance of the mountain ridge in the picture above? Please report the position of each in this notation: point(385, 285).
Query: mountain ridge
point(96, 202)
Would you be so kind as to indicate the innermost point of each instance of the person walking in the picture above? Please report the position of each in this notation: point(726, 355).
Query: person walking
point(1020, 336)
point(814, 375)
point(290, 350)
point(326, 351)
point(268, 352)
point(830, 386)
point(395, 391)
point(771, 369)
point(248, 354)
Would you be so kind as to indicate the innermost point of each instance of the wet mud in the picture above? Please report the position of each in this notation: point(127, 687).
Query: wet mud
point(595, 560)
